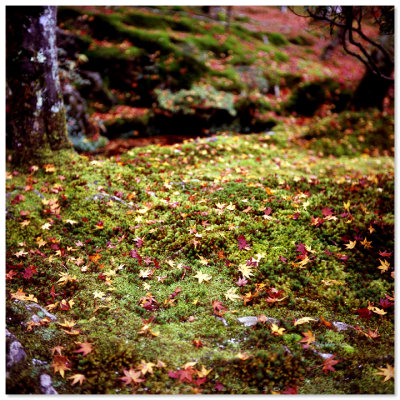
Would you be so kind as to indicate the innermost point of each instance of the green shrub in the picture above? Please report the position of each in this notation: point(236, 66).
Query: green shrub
point(280, 57)
point(198, 97)
point(309, 96)
point(301, 40)
point(350, 132)
point(83, 143)
point(277, 39)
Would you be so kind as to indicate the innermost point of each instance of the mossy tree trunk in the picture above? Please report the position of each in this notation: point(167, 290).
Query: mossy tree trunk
point(35, 108)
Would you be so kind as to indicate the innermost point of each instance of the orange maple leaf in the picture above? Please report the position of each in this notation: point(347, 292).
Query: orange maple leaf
point(60, 364)
point(308, 338)
point(85, 348)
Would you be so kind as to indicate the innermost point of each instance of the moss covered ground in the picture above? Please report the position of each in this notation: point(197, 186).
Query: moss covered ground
point(148, 260)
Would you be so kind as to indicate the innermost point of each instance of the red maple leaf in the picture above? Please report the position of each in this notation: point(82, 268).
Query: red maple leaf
point(29, 272)
point(328, 364)
point(384, 253)
point(327, 211)
point(290, 390)
point(364, 313)
point(218, 307)
point(242, 243)
point(136, 255)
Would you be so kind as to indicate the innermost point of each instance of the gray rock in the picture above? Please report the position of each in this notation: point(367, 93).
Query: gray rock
point(250, 321)
point(323, 355)
point(46, 386)
point(15, 352)
point(30, 306)
point(341, 326)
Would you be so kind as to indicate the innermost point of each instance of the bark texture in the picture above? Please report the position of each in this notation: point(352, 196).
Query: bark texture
point(35, 108)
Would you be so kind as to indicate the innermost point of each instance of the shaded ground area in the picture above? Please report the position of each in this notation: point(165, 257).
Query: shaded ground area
point(154, 71)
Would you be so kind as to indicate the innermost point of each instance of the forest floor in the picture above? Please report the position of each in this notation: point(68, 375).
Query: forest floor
point(231, 264)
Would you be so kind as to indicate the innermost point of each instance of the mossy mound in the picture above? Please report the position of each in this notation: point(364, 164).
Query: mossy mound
point(353, 133)
point(151, 257)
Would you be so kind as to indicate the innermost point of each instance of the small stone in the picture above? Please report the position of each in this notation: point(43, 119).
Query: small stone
point(341, 326)
point(15, 351)
point(46, 386)
point(250, 321)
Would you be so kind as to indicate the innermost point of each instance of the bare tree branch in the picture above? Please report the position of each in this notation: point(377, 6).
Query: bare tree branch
point(348, 15)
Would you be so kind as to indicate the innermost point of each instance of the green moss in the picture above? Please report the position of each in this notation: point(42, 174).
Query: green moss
point(175, 199)
point(277, 39)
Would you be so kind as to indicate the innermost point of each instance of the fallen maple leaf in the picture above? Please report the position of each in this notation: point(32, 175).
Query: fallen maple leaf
point(308, 338)
point(131, 376)
point(275, 330)
point(328, 364)
point(242, 282)
point(60, 364)
point(387, 372)
point(304, 320)
point(232, 295)
point(146, 367)
point(242, 243)
point(85, 348)
point(20, 295)
point(67, 324)
point(351, 244)
point(77, 378)
point(384, 266)
point(202, 277)
point(57, 349)
point(246, 270)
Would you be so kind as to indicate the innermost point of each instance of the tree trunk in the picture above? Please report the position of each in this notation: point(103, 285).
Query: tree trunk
point(35, 108)
point(373, 89)
point(371, 92)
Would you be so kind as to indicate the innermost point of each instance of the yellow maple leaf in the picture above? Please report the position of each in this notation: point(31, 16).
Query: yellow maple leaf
point(97, 294)
point(387, 372)
point(77, 378)
point(304, 320)
point(203, 260)
point(203, 372)
point(384, 266)
point(366, 244)
point(275, 330)
point(146, 367)
point(20, 295)
point(246, 270)
point(202, 277)
point(232, 295)
point(65, 277)
point(40, 242)
point(67, 324)
point(351, 244)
